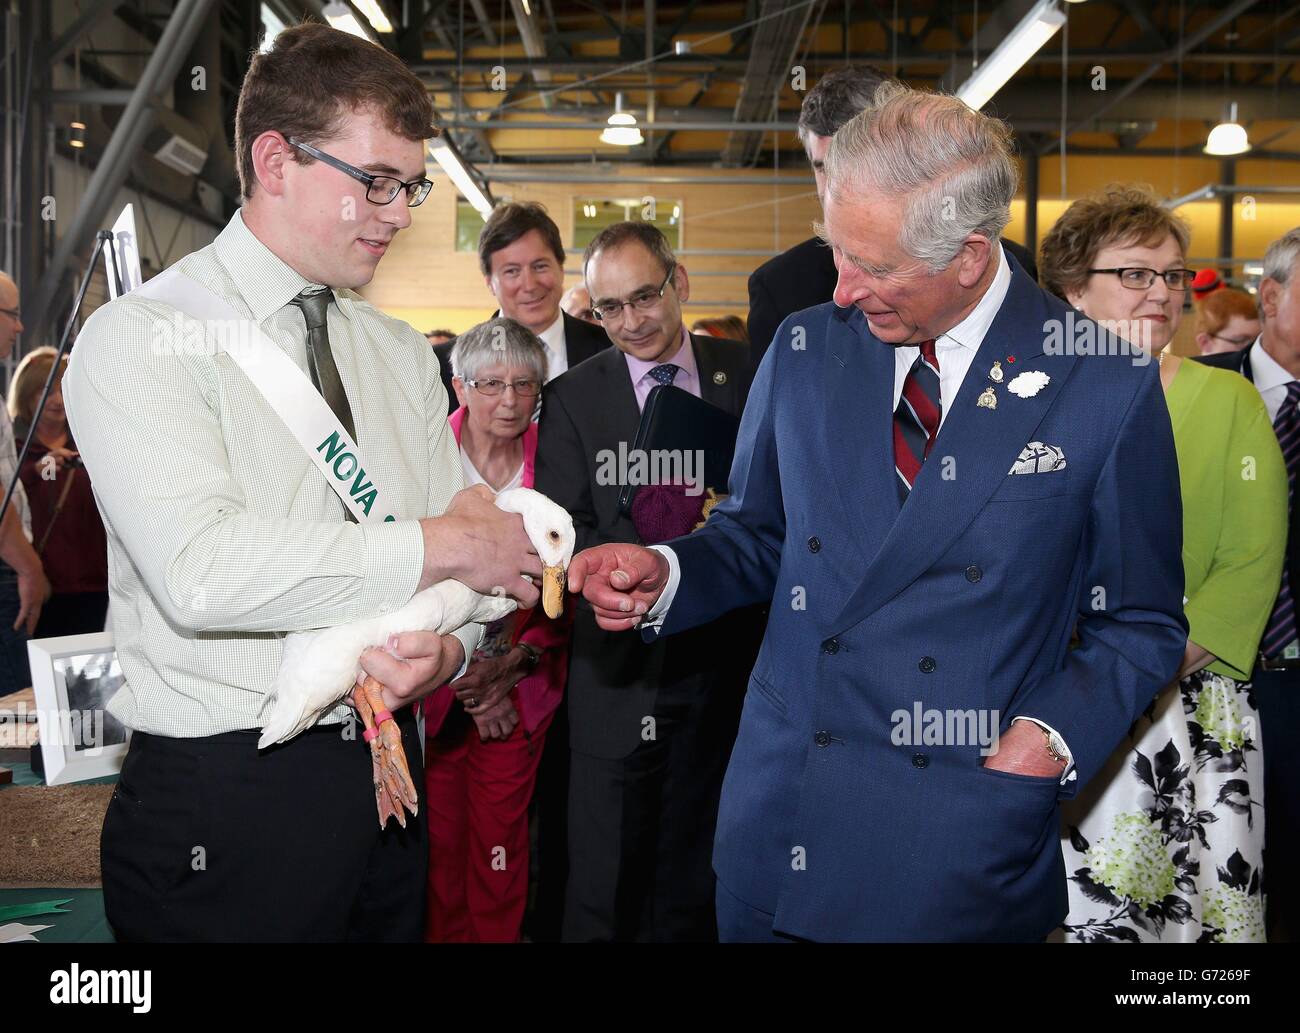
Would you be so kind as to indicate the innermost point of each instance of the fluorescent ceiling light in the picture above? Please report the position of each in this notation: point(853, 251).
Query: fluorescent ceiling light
point(456, 171)
point(374, 14)
point(1038, 26)
point(1228, 137)
point(341, 17)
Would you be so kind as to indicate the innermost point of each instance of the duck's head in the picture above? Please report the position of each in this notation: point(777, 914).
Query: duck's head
point(550, 529)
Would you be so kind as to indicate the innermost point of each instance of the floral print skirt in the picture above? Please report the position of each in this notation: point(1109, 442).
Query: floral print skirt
point(1165, 844)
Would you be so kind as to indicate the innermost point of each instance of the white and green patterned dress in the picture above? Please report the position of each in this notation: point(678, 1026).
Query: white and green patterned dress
point(1165, 844)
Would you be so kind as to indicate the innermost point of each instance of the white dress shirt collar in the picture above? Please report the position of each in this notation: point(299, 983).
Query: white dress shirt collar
point(557, 354)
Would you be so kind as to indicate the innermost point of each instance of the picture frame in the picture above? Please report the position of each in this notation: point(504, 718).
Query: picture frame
point(73, 678)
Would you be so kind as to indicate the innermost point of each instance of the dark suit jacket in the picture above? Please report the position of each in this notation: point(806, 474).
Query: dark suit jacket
point(581, 341)
point(803, 277)
point(961, 600)
point(1239, 362)
point(615, 678)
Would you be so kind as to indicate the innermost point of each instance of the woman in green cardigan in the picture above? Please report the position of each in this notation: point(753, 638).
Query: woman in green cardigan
point(1165, 843)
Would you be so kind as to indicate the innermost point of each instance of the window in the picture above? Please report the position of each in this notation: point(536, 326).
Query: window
point(591, 215)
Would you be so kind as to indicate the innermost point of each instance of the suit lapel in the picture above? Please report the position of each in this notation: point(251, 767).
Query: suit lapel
point(973, 453)
point(857, 428)
point(710, 364)
point(624, 416)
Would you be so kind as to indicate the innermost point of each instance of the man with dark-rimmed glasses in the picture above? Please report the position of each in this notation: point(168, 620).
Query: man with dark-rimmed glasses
point(651, 724)
point(225, 534)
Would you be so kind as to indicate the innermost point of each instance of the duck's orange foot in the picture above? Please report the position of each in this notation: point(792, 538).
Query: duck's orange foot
point(394, 790)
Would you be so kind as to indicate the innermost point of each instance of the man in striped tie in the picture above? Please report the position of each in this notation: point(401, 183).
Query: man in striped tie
point(1272, 364)
point(931, 495)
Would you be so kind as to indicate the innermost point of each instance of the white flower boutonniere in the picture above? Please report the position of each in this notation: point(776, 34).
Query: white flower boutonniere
point(1029, 383)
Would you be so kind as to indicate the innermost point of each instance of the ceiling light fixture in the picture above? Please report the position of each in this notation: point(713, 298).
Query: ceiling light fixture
point(457, 172)
point(340, 16)
point(1042, 22)
point(1228, 137)
point(621, 129)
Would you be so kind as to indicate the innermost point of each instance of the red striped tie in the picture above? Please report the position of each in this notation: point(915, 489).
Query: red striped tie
point(916, 420)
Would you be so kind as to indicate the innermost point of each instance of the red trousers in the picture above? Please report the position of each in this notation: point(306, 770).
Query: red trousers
point(478, 796)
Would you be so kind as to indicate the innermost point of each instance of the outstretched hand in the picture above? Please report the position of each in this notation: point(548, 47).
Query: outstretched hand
point(620, 581)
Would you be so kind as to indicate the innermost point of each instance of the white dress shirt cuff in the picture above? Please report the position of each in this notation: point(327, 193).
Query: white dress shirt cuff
point(470, 636)
point(655, 618)
point(1069, 774)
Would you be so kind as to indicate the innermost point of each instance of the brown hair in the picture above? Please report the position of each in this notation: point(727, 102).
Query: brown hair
point(508, 222)
point(730, 327)
point(1117, 215)
point(29, 380)
point(646, 234)
point(1215, 310)
point(311, 79)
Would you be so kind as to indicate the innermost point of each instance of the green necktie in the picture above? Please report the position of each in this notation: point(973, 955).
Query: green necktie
point(320, 360)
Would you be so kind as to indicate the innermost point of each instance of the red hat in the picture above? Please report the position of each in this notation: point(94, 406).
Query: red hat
point(1206, 281)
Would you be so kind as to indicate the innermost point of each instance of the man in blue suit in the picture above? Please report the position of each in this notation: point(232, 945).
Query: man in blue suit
point(934, 490)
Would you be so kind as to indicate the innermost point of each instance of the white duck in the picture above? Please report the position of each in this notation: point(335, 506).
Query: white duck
point(320, 668)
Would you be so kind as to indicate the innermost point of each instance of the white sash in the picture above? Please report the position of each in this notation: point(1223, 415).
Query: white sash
point(286, 388)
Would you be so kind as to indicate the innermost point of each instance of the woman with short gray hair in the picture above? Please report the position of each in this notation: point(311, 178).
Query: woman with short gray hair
point(485, 733)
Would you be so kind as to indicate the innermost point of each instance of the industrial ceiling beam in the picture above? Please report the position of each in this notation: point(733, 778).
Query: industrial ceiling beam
point(138, 118)
point(85, 22)
point(1176, 53)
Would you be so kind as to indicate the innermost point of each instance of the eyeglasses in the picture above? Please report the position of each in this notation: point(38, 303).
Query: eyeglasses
point(642, 301)
point(380, 190)
point(1138, 278)
point(492, 388)
point(1236, 342)
point(12, 313)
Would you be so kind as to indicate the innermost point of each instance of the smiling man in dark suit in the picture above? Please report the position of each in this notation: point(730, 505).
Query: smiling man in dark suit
point(651, 724)
point(805, 275)
point(522, 259)
point(933, 494)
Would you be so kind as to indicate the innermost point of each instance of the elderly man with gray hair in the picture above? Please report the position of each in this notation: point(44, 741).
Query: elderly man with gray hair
point(485, 733)
point(1272, 364)
point(932, 488)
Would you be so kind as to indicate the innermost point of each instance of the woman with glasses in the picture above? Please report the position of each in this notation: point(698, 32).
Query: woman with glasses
point(1226, 321)
point(1166, 842)
point(485, 733)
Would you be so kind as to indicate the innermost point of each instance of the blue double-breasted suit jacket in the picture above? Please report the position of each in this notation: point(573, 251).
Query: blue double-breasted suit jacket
point(965, 597)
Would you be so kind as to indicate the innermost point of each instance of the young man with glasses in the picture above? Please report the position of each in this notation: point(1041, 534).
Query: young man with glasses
point(24, 587)
point(650, 725)
point(224, 534)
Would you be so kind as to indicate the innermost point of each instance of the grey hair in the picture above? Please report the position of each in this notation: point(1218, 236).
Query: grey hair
point(839, 95)
point(1280, 258)
point(952, 167)
point(497, 341)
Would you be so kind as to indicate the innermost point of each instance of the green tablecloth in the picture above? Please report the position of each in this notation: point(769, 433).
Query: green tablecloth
point(84, 921)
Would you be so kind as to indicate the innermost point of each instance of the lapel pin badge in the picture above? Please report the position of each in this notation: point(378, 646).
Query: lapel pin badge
point(995, 374)
point(988, 400)
point(719, 378)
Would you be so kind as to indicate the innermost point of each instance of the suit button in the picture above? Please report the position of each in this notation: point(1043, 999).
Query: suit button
point(814, 544)
point(973, 574)
point(920, 760)
point(831, 645)
point(822, 738)
point(926, 664)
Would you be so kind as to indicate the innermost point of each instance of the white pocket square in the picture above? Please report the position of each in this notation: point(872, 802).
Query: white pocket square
point(1036, 457)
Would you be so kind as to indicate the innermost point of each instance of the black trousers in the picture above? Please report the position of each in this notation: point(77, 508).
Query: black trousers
point(211, 839)
point(1277, 694)
point(641, 829)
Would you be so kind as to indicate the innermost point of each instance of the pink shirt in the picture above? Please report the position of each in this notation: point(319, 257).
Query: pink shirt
point(688, 377)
